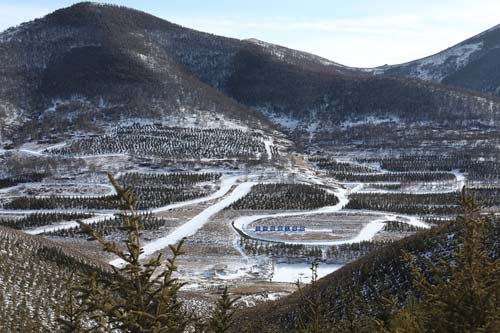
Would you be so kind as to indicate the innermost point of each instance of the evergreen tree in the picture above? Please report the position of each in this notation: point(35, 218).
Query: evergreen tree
point(408, 320)
point(221, 320)
point(462, 295)
point(137, 297)
point(70, 315)
point(142, 295)
point(314, 308)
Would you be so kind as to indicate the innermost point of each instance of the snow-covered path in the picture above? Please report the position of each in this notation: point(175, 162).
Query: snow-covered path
point(225, 186)
point(268, 143)
point(192, 226)
point(41, 152)
point(31, 152)
point(366, 233)
point(460, 179)
point(99, 217)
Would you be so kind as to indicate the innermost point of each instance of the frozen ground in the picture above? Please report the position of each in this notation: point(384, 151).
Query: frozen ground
point(291, 273)
point(193, 225)
point(213, 255)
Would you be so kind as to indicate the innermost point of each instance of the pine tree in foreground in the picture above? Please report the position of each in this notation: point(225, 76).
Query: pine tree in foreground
point(70, 313)
point(457, 296)
point(141, 296)
point(314, 309)
point(462, 295)
point(221, 320)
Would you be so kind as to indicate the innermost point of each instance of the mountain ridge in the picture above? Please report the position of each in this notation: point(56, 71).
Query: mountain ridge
point(471, 64)
point(106, 62)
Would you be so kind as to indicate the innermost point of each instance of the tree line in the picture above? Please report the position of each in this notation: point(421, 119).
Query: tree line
point(110, 226)
point(332, 165)
point(153, 190)
point(402, 177)
point(41, 219)
point(283, 196)
point(421, 204)
point(26, 178)
point(169, 142)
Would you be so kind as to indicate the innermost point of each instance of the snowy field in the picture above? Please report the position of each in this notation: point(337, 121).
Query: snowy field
point(215, 253)
point(291, 273)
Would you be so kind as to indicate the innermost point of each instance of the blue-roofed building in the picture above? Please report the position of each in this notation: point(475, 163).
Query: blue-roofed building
point(302, 228)
point(294, 228)
point(280, 228)
point(272, 228)
point(257, 228)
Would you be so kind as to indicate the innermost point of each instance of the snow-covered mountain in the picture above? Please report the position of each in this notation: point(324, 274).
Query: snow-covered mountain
point(92, 62)
point(473, 64)
point(101, 62)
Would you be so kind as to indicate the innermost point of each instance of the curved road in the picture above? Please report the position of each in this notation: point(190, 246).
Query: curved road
point(227, 183)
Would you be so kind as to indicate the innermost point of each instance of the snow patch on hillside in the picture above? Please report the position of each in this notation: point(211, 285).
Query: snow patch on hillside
point(370, 120)
point(291, 273)
point(284, 121)
point(438, 66)
point(149, 61)
point(188, 118)
point(9, 114)
point(459, 56)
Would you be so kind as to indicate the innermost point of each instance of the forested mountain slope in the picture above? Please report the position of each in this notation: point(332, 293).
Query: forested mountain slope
point(92, 61)
point(33, 277)
point(95, 62)
point(472, 64)
point(362, 289)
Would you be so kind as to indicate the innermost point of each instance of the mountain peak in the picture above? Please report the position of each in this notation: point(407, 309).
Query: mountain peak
point(472, 64)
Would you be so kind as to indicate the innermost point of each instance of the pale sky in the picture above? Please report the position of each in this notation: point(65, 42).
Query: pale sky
point(361, 33)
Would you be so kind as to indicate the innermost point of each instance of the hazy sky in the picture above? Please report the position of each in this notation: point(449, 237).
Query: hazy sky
point(356, 33)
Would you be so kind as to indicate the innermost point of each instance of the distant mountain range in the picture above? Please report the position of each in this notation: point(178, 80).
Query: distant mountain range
point(104, 62)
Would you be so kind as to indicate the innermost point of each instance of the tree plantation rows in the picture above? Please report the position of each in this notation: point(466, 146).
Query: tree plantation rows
point(62, 202)
point(437, 220)
point(256, 248)
point(153, 190)
point(353, 251)
point(111, 226)
point(396, 226)
point(386, 186)
point(34, 271)
point(403, 177)
point(421, 204)
point(41, 219)
point(169, 142)
point(477, 169)
point(167, 179)
point(150, 197)
point(286, 197)
point(407, 163)
point(333, 165)
point(336, 253)
point(27, 178)
point(156, 190)
point(405, 203)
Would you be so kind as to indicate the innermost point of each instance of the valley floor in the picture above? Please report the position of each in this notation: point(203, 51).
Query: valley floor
point(255, 242)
